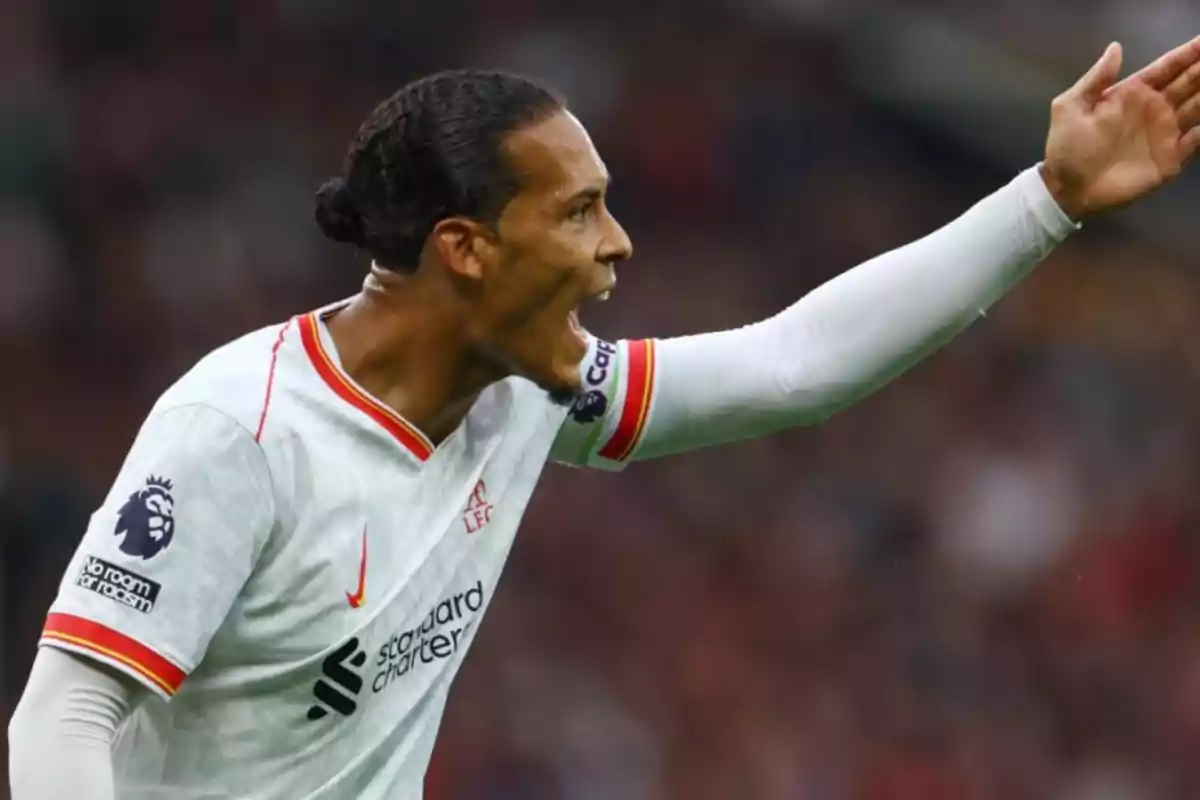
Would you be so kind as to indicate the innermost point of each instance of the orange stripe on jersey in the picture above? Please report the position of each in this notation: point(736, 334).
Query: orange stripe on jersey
point(104, 641)
point(636, 410)
point(262, 418)
point(411, 438)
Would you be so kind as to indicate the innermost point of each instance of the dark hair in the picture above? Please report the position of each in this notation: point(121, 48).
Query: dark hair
point(430, 151)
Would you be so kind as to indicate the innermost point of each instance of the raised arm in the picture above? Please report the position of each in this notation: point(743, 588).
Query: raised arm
point(835, 346)
point(1108, 145)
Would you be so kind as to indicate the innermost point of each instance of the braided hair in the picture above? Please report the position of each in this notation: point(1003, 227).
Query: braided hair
point(430, 151)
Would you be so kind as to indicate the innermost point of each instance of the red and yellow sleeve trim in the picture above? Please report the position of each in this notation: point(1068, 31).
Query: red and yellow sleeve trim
point(412, 439)
point(92, 637)
point(639, 392)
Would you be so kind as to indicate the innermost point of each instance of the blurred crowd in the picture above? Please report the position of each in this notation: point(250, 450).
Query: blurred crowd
point(980, 584)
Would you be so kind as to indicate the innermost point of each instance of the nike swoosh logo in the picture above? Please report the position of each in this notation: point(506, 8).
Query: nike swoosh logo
point(360, 594)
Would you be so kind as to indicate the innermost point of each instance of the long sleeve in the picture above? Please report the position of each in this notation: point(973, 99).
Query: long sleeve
point(830, 349)
point(62, 732)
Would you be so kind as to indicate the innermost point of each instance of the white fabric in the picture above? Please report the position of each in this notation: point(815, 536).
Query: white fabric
point(218, 511)
point(282, 489)
point(839, 343)
point(60, 736)
point(292, 691)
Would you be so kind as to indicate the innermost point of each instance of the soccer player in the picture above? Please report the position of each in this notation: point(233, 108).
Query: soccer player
point(297, 553)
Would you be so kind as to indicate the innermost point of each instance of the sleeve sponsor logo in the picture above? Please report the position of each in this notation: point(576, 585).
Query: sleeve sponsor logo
point(589, 407)
point(593, 402)
point(147, 520)
point(125, 587)
point(598, 372)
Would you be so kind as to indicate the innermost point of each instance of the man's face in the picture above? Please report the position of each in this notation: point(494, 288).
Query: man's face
point(559, 245)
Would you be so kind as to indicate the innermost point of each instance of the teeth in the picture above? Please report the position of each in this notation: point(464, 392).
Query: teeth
point(603, 296)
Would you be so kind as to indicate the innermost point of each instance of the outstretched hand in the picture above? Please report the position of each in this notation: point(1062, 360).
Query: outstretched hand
point(1112, 142)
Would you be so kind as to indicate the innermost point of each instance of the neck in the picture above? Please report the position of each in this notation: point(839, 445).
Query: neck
point(403, 342)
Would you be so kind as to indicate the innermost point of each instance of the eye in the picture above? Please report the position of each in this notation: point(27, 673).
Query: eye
point(580, 212)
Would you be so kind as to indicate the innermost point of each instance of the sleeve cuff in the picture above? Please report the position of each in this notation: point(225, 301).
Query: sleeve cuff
point(88, 638)
point(1044, 207)
point(635, 410)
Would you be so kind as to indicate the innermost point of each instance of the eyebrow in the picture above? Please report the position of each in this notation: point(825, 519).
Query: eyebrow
point(591, 192)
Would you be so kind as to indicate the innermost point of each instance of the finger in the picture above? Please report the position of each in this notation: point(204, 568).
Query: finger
point(1189, 144)
point(1184, 86)
point(1188, 114)
point(1100, 77)
point(1160, 73)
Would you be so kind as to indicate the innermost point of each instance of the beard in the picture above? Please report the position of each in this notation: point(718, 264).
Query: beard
point(564, 397)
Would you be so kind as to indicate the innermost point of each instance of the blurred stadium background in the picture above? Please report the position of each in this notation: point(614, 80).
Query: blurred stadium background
point(982, 583)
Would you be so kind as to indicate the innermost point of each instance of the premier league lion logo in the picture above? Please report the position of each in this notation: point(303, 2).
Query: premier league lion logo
point(589, 407)
point(147, 520)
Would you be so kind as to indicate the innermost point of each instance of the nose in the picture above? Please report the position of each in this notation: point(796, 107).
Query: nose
point(615, 246)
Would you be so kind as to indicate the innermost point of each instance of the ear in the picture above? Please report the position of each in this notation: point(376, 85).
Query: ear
point(467, 247)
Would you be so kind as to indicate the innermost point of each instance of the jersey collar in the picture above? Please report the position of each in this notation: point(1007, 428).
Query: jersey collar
point(343, 386)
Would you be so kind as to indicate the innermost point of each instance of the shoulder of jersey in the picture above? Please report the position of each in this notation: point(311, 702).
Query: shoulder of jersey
point(234, 378)
point(239, 377)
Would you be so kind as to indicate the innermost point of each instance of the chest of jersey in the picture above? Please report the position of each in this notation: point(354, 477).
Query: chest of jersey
point(382, 565)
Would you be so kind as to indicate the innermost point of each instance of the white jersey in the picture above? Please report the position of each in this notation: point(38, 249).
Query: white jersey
point(297, 573)
point(316, 570)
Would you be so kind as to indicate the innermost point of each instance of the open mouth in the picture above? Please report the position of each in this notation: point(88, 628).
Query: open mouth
point(573, 316)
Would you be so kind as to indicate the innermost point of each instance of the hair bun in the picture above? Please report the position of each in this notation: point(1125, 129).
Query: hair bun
point(337, 215)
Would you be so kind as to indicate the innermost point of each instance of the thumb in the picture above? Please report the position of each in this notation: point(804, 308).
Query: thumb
point(1103, 74)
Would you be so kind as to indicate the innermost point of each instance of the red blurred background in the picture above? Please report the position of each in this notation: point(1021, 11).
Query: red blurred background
point(981, 583)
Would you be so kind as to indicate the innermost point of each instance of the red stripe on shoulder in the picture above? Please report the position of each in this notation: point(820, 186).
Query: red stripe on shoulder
point(262, 418)
point(638, 393)
point(104, 641)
